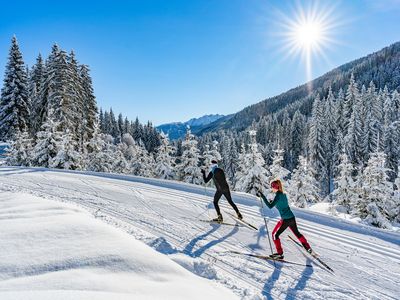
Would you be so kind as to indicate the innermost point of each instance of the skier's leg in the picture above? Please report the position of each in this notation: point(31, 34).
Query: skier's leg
point(279, 228)
point(228, 197)
point(217, 196)
point(296, 232)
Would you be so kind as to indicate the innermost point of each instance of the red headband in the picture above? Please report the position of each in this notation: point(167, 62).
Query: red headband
point(275, 185)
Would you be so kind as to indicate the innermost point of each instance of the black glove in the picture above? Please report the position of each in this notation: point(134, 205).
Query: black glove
point(203, 171)
point(258, 193)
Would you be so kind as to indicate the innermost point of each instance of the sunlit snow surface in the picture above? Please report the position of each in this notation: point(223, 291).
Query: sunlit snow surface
point(54, 250)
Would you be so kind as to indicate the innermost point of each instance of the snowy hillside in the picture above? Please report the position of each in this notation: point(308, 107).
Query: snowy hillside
point(62, 250)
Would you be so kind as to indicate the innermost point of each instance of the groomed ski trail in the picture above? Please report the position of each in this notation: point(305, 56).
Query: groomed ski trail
point(366, 260)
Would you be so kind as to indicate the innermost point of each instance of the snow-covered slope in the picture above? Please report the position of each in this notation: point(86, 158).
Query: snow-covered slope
point(165, 216)
point(52, 250)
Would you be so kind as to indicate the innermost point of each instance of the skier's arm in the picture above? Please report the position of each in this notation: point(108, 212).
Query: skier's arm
point(208, 178)
point(267, 203)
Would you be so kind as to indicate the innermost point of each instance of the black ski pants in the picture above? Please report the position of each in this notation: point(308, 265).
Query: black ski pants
point(227, 194)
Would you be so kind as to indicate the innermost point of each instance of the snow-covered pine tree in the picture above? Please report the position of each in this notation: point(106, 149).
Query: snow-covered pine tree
point(352, 93)
point(252, 175)
point(396, 212)
point(297, 137)
point(276, 169)
point(188, 168)
point(164, 166)
point(60, 98)
point(137, 130)
point(345, 192)
point(316, 144)
point(229, 158)
point(67, 157)
point(391, 136)
point(353, 139)
point(303, 188)
point(144, 161)
point(120, 164)
point(101, 154)
point(34, 88)
point(376, 205)
point(20, 151)
point(120, 123)
point(14, 101)
point(127, 126)
point(48, 141)
point(331, 130)
point(207, 157)
point(89, 103)
point(75, 93)
point(101, 120)
point(116, 134)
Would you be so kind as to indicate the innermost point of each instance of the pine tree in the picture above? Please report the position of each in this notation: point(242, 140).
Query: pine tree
point(345, 193)
point(76, 98)
point(14, 101)
point(331, 130)
point(143, 164)
point(48, 141)
point(391, 136)
point(276, 169)
point(375, 204)
point(101, 157)
point(89, 104)
point(316, 144)
point(352, 94)
point(188, 169)
point(120, 164)
point(229, 158)
point(67, 157)
point(20, 150)
point(34, 89)
point(303, 188)
point(297, 137)
point(207, 157)
point(252, 175)
point(353, 143)
point(164, 167)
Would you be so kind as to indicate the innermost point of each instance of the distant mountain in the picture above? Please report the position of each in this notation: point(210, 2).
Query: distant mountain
point(382, 67)
point(178, 129)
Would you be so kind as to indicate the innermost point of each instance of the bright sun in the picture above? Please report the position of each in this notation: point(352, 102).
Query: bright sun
point(307, 33)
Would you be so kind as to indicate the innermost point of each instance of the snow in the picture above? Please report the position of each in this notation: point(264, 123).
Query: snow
point(75, 226)
point(53, 250)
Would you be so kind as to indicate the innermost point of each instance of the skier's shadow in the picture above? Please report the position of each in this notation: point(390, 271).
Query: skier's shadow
point(190, 246)
point(301, 284)
point(261, 232)
point(271, 281)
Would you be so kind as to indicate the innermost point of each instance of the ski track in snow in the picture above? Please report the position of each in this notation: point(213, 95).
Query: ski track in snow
point(164, 215)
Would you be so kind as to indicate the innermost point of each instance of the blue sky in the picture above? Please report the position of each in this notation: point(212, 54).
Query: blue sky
point(172, 60)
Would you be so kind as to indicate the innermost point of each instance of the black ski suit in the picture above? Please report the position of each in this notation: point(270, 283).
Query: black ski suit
point(218, 176)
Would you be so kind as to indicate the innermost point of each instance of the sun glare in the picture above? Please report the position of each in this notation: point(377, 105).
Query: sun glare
point(307, 33)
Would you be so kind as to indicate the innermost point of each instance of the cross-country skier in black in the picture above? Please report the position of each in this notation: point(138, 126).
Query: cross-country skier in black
point(218, 176)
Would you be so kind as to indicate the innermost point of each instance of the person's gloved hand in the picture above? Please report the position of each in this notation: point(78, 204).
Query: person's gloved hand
point(203, 171)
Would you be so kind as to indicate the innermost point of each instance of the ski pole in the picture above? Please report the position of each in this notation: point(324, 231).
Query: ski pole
point(266, 228)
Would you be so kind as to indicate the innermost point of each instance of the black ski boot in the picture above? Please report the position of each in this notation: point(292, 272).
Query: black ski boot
point(239, 215)
point(219, 219)
point(276, 256)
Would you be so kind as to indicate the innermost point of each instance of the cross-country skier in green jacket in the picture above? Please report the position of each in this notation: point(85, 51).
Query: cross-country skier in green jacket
point(287, 219)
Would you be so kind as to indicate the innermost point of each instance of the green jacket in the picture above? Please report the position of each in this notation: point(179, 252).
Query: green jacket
point(281, 203)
